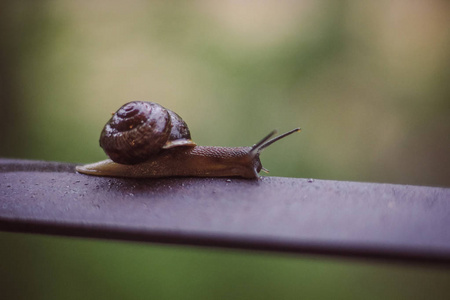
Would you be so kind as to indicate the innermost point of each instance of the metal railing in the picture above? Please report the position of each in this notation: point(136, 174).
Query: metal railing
point(368, 220)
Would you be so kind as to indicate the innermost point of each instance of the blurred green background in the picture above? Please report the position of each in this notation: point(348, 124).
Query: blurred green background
point(368, 81)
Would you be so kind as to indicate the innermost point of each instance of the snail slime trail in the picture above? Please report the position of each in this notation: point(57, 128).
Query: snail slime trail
point(146, 140)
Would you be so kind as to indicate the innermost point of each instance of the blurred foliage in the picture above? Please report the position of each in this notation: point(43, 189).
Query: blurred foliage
point(62, 268)
point(367, 81)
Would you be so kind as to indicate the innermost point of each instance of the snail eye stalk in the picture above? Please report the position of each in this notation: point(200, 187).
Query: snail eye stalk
point(265, 142)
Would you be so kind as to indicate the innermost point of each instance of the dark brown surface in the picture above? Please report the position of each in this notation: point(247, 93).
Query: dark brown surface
point(387, 221)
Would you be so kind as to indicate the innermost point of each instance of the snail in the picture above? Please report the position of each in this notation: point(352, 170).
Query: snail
point(146, 140)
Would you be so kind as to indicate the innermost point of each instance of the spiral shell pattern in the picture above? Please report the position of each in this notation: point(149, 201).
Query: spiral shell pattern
point(141, 129)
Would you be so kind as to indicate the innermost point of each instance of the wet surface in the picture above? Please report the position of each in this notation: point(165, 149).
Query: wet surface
point(386, 221)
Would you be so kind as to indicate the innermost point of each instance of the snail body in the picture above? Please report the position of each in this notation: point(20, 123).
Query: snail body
point(145, 140)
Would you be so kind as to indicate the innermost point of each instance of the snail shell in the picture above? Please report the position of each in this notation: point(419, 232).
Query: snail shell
point(140, 130)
